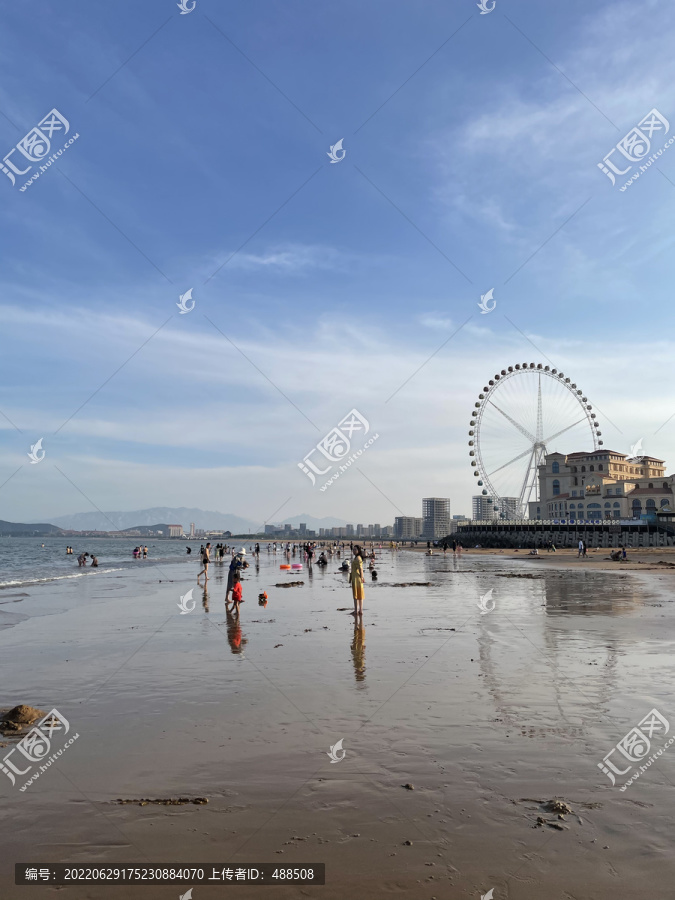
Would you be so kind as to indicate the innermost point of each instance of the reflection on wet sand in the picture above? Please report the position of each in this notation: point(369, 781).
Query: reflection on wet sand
point(235, 638)
point(564, 646)
point(591, 594)
point(205, 599)
point(359, 651)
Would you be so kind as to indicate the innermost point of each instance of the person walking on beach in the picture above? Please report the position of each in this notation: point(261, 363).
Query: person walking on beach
point(235, 565)
point(581, 548)
point(356, 579)
point(206, 559)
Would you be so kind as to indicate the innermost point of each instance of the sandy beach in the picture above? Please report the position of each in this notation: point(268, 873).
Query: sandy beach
point(487, 716)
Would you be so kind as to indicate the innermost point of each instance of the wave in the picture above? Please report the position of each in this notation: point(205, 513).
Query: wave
point(26, 581)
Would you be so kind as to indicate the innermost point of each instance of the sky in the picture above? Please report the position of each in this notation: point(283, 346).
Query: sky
point(471, 145)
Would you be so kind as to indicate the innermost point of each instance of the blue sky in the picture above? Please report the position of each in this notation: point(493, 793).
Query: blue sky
point(472, 144)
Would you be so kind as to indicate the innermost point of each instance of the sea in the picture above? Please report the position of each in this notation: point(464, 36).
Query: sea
point(30, 560)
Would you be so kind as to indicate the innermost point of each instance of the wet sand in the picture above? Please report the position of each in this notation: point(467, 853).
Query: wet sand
point(640, 559)
point(483, 714)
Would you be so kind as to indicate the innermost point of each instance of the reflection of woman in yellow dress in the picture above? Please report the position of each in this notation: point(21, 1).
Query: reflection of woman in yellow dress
point(356, 579)
point(359, 651)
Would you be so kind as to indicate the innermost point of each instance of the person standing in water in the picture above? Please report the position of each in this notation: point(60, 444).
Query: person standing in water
point(356, 579)
point(206, 559)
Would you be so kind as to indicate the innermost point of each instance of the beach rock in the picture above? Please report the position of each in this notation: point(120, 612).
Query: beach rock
point(408, 843)
point(408, 787)
point(18, 717)
point(557, 806)
point(286, 584)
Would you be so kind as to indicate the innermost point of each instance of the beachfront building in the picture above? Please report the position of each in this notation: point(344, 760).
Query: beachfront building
point(483, 509)
point(175, 531)
point(407, 527)
point(603, 484)
point(435, 517)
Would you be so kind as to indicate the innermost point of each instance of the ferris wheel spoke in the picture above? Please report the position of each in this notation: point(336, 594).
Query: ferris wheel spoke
point(558, 433)
point(515, 424)
point(515, 459)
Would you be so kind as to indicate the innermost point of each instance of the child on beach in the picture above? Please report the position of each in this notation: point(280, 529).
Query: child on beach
point(237, 592)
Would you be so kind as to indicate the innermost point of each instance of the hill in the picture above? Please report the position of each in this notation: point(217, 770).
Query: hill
point(18, 528)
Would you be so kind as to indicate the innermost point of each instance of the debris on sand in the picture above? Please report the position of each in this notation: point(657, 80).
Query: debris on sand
point(19, 717)
point(278, 645)
point(172, 801)
point(557, 806)
point(517, 575)
point(408, 787)
point(289, 584)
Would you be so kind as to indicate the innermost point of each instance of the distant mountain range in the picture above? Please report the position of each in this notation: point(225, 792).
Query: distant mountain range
point(209, 520)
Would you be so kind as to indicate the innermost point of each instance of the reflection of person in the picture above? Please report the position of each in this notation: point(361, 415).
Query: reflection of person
point(359, 650)
point(235, 638)
point(205, 598)
point(356, 579)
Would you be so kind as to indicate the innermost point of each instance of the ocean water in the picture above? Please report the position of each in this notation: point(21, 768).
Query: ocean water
point(29, 560)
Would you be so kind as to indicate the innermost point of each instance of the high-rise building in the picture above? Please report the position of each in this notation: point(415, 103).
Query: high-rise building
point(175, 531)
point(288, 528)
point(303, 527)
point(359, 530)
point(483, 508)
point(435, 517)
point(407, 527)
point(192, 529)
point(350, 531)
point(376, 530)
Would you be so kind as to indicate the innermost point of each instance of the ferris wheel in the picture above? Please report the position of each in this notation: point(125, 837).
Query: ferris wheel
point(523, 413)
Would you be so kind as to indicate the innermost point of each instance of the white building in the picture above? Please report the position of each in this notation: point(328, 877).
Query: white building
point(435, 517)
point(407, 527)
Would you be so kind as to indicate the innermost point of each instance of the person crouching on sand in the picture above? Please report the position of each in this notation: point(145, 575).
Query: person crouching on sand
point(356, 579)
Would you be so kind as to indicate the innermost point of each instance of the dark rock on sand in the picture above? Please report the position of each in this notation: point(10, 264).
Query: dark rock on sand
point(289, 584)
point(19, 717)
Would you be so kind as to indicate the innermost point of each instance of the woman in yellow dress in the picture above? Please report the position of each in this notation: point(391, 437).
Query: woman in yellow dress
point(356, 579)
